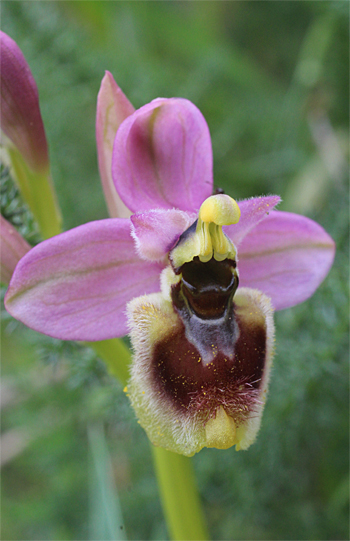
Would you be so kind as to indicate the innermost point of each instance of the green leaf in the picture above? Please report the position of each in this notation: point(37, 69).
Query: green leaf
point(106, 521)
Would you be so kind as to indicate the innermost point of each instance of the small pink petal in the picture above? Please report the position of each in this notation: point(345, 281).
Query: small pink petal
point(75, 286)
point(112, 108)
point(157, 231)
point(253, 211)
point(162, 157)
point(12, 248)
point(286, 256)
point(20, 114)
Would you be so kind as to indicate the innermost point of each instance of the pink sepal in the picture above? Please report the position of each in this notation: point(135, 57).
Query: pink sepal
point(162, 157)
point(75, 286)
point(286, 256)
point(112, 108)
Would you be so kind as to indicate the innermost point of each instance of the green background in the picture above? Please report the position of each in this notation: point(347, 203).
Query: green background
point(271, 78)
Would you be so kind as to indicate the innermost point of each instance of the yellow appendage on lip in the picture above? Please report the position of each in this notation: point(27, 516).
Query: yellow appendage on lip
point(221, 431)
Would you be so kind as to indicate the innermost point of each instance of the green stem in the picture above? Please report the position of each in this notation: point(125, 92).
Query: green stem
point(179, 495)
point(116, 356)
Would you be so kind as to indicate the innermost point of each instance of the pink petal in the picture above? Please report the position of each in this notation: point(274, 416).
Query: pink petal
point(253, 211)
point(286, 257)
point(162, 157)
point(12, 248)
point(20, 114)
point(112, 108)
point(156, 232)
point(75, 286)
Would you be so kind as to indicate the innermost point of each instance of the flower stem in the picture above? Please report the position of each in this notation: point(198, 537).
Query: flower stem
point(116, 355)
point(38, 192)
point(179, 495)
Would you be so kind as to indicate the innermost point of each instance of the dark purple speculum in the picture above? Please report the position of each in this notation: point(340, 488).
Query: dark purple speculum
point(216, 356)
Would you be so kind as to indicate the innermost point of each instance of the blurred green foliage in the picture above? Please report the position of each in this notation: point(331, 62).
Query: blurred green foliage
point(271, 78)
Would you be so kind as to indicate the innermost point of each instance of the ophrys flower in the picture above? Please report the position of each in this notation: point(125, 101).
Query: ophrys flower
point(193, 277)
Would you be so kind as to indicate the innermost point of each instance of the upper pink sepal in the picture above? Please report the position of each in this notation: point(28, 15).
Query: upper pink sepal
point(253, 211)
point(286, 257)
point(12, 248)
point(113, 107)
point(20, 114)
point(162, 157)
point(75, 286)
point(157, 231)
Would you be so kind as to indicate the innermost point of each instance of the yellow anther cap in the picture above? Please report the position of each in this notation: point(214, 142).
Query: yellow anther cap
point(208, 240)
point(220, 209)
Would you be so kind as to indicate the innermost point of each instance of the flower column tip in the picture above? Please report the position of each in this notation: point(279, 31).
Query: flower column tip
point(220, 209)
point(216, 211)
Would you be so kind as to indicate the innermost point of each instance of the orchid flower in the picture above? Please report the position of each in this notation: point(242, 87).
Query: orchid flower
point(193, 277)
point(23, 138)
